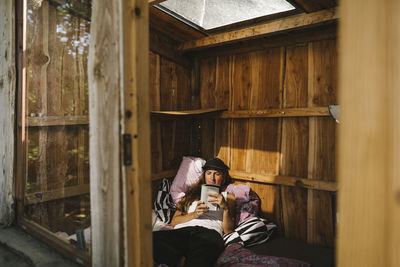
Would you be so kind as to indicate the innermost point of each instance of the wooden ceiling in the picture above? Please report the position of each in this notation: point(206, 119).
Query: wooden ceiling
point(180, 32)
point(313, 5)
point(172, 27)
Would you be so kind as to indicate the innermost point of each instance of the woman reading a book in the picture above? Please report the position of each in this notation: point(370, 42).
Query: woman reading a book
point(197, 236)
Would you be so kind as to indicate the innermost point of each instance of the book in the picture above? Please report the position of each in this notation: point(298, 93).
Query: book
point(205, 190)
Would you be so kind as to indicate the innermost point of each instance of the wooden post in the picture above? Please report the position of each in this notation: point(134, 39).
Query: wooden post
point(393, 196)
point(119, 104)
point(104, 77)
point(369, 147)
point(136, 123)
point(7, 110)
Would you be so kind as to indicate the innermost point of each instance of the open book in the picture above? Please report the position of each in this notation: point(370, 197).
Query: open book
point(205, 190)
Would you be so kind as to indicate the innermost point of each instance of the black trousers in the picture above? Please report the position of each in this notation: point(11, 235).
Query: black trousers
point(200, 246)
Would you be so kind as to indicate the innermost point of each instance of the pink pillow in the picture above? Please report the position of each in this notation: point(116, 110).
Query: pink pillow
point(188, 174)
point(247, 202)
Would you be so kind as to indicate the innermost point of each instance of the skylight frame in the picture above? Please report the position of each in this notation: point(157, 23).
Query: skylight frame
point(235, 25)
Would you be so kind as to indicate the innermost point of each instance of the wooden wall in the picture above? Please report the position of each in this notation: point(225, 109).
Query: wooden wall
point(291, 76)
point(170, 89)
point(7, 110)
point(295, 70)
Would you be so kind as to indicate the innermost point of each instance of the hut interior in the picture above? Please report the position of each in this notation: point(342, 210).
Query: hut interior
point(253, 93)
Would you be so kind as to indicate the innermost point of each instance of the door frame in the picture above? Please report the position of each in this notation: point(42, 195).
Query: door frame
point(124, 238)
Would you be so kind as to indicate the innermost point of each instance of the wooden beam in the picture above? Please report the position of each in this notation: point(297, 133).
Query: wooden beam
point(65, 192)
point(285, 180)
point(56, 121)
point(293, 38)
point(269, 179)
point(7, 110)
point(60, 244)
point(273, 27)
point(135, 122)
point(104, 78)
point(155, 2)
point(369, 147)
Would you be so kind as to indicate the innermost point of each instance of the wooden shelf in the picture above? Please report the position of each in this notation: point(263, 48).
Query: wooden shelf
point(245, 114)
point(187, 113)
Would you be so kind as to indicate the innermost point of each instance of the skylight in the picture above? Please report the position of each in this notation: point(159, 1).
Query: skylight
point(210, 14)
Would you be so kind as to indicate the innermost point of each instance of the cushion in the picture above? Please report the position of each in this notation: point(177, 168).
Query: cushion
point(157, 223)
point(247, 202)
point(251, 232)
point(235, 255)
point(164, 206)
point(188, 174)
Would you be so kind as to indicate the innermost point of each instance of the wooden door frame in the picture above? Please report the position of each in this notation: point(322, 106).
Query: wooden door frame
point(369, 147)
point(124, 238)
point(136, 120)
point(120, 138)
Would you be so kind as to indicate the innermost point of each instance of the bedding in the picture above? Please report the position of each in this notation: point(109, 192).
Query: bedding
point(317, 256)
point(164, 207)
point(247, 202)
point(235, 255)
point(251, 232)
point(250, 229)
point(247, 245)
point(188, 173)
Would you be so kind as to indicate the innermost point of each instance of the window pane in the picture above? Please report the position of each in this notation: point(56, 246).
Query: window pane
point(57, 134)
point(210, 14)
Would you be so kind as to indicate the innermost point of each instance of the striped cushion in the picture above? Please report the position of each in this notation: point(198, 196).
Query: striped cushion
point(251, 232)
point(164, 206)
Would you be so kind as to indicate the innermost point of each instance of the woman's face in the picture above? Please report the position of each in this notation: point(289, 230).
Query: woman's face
point(214, 177)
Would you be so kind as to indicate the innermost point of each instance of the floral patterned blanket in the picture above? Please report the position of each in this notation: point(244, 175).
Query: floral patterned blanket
point(235, 255)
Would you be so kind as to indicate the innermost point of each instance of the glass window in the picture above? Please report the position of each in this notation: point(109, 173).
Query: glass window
point(210, 14)
point(56, 177)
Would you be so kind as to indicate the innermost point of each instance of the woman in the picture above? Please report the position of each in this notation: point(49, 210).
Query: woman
point(197, 235)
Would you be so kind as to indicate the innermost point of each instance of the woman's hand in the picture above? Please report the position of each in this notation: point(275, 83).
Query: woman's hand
point(228, 205)
point(180, 217)
point(201, 208)
point(218, 199)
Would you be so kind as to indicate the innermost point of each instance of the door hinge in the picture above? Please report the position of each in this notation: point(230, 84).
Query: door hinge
point(127, 143)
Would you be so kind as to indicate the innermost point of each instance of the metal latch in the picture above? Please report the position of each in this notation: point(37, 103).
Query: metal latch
point(127, 142)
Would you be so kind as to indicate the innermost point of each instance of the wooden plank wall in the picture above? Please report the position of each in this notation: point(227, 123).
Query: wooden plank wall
point(290, 76)
point(7, 110)
point(170, 89)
